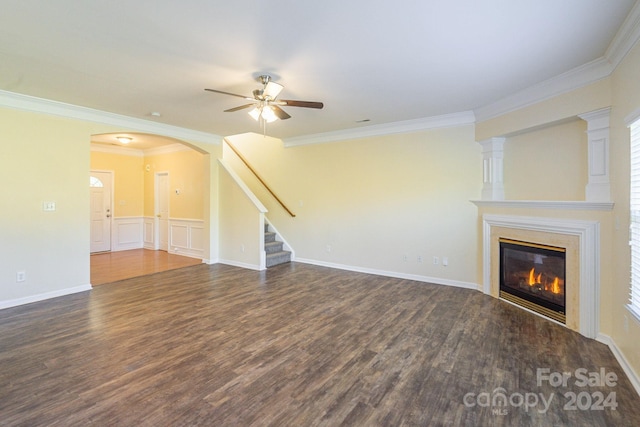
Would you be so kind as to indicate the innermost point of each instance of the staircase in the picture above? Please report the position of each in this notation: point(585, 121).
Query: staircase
point(275, 253)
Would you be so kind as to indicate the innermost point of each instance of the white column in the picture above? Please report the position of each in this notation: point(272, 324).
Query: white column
point(492, 167)
point(598, 187)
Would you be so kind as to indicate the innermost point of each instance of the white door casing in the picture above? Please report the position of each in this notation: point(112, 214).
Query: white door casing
point(100, 187)
point(162, 210)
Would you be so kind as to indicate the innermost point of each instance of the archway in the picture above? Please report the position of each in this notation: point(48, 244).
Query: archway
point(137, 223)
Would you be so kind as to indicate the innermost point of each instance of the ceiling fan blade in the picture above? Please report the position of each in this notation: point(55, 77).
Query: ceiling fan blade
point(272, 90)
point(229, 93)
point(242, 107)
point(306, 104)
point(282, 115)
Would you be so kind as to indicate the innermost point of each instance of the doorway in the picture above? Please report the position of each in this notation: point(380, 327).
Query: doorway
point(101, 189)
point(142, 199)
point(162, 210)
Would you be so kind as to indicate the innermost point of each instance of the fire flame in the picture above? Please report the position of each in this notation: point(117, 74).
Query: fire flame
point(533, 280)
point(532, 277)
point(555, 287)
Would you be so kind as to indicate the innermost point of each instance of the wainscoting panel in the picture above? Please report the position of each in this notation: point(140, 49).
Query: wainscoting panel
point(149, 240)
point(179, 235)
point(186, 237)
point(126, 233)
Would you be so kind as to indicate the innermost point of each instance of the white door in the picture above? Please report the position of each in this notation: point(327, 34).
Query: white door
point(100, 190)
point(162, 210)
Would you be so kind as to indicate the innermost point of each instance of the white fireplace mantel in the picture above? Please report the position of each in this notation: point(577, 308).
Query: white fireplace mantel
point(547, 204)
point(588, 234)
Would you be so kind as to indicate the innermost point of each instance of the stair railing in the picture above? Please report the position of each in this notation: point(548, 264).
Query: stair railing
point(253, 171)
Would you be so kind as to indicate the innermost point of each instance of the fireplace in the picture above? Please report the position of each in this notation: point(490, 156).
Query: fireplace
point(581, 240)
point(533, 275)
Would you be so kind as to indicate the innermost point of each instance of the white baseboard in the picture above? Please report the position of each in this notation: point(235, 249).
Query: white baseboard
point(239, 264)
point(42, 297)
point(186, 252)
point(395, 274)
point(626, 367)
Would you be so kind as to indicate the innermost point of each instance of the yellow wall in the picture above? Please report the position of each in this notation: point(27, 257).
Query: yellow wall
point(134, 192)
point(241, 225)
point(626, 103)
point(368, 203)
point(187, 174)
point(46, 158)
point(128, 192)
point(548, 164)
point(43, 159)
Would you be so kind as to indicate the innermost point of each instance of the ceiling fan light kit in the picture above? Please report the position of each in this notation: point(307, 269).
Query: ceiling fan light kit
point(265, 113)
point(266, 106)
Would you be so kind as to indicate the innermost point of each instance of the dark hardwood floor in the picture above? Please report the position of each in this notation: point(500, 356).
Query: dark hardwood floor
point(296, 345)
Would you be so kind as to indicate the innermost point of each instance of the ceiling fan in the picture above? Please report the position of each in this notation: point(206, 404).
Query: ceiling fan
point(265, 104)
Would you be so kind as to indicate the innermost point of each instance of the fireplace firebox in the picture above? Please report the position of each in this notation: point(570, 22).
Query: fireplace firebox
point(533, 276)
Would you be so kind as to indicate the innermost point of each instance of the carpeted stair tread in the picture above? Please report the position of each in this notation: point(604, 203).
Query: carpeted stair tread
point(274, 253)
point(272, 247)
point(276, 258)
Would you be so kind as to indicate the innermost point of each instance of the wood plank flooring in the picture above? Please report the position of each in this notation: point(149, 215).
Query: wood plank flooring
point(109, 267)
point(296, 345)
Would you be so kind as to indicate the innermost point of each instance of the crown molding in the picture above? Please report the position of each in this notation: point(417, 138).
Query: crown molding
point(573, 79)
point(112, 149)
point(406, 126)
point(627, 36)
point(135, 152)
point(39, 105)
point(166, 149)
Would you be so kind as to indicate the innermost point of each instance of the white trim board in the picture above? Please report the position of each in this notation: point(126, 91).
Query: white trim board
point(394, 274)
point(41, 297)
point(39, 105)
point(624, 363)
point(407, 126)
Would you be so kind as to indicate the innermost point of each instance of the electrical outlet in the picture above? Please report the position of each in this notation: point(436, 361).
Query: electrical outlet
point(436, 260)
point(48, 206)
point(419, 258)
point(445, 261)
point(21, 276)
point(328, 248)
point(405, 258)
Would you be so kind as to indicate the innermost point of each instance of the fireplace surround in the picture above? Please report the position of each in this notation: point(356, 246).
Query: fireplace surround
point(582, 242)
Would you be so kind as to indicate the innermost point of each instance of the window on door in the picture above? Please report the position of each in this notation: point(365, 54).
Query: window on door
point(95, 182)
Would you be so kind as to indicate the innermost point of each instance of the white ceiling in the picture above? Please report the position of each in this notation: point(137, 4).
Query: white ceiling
point(383, 61)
